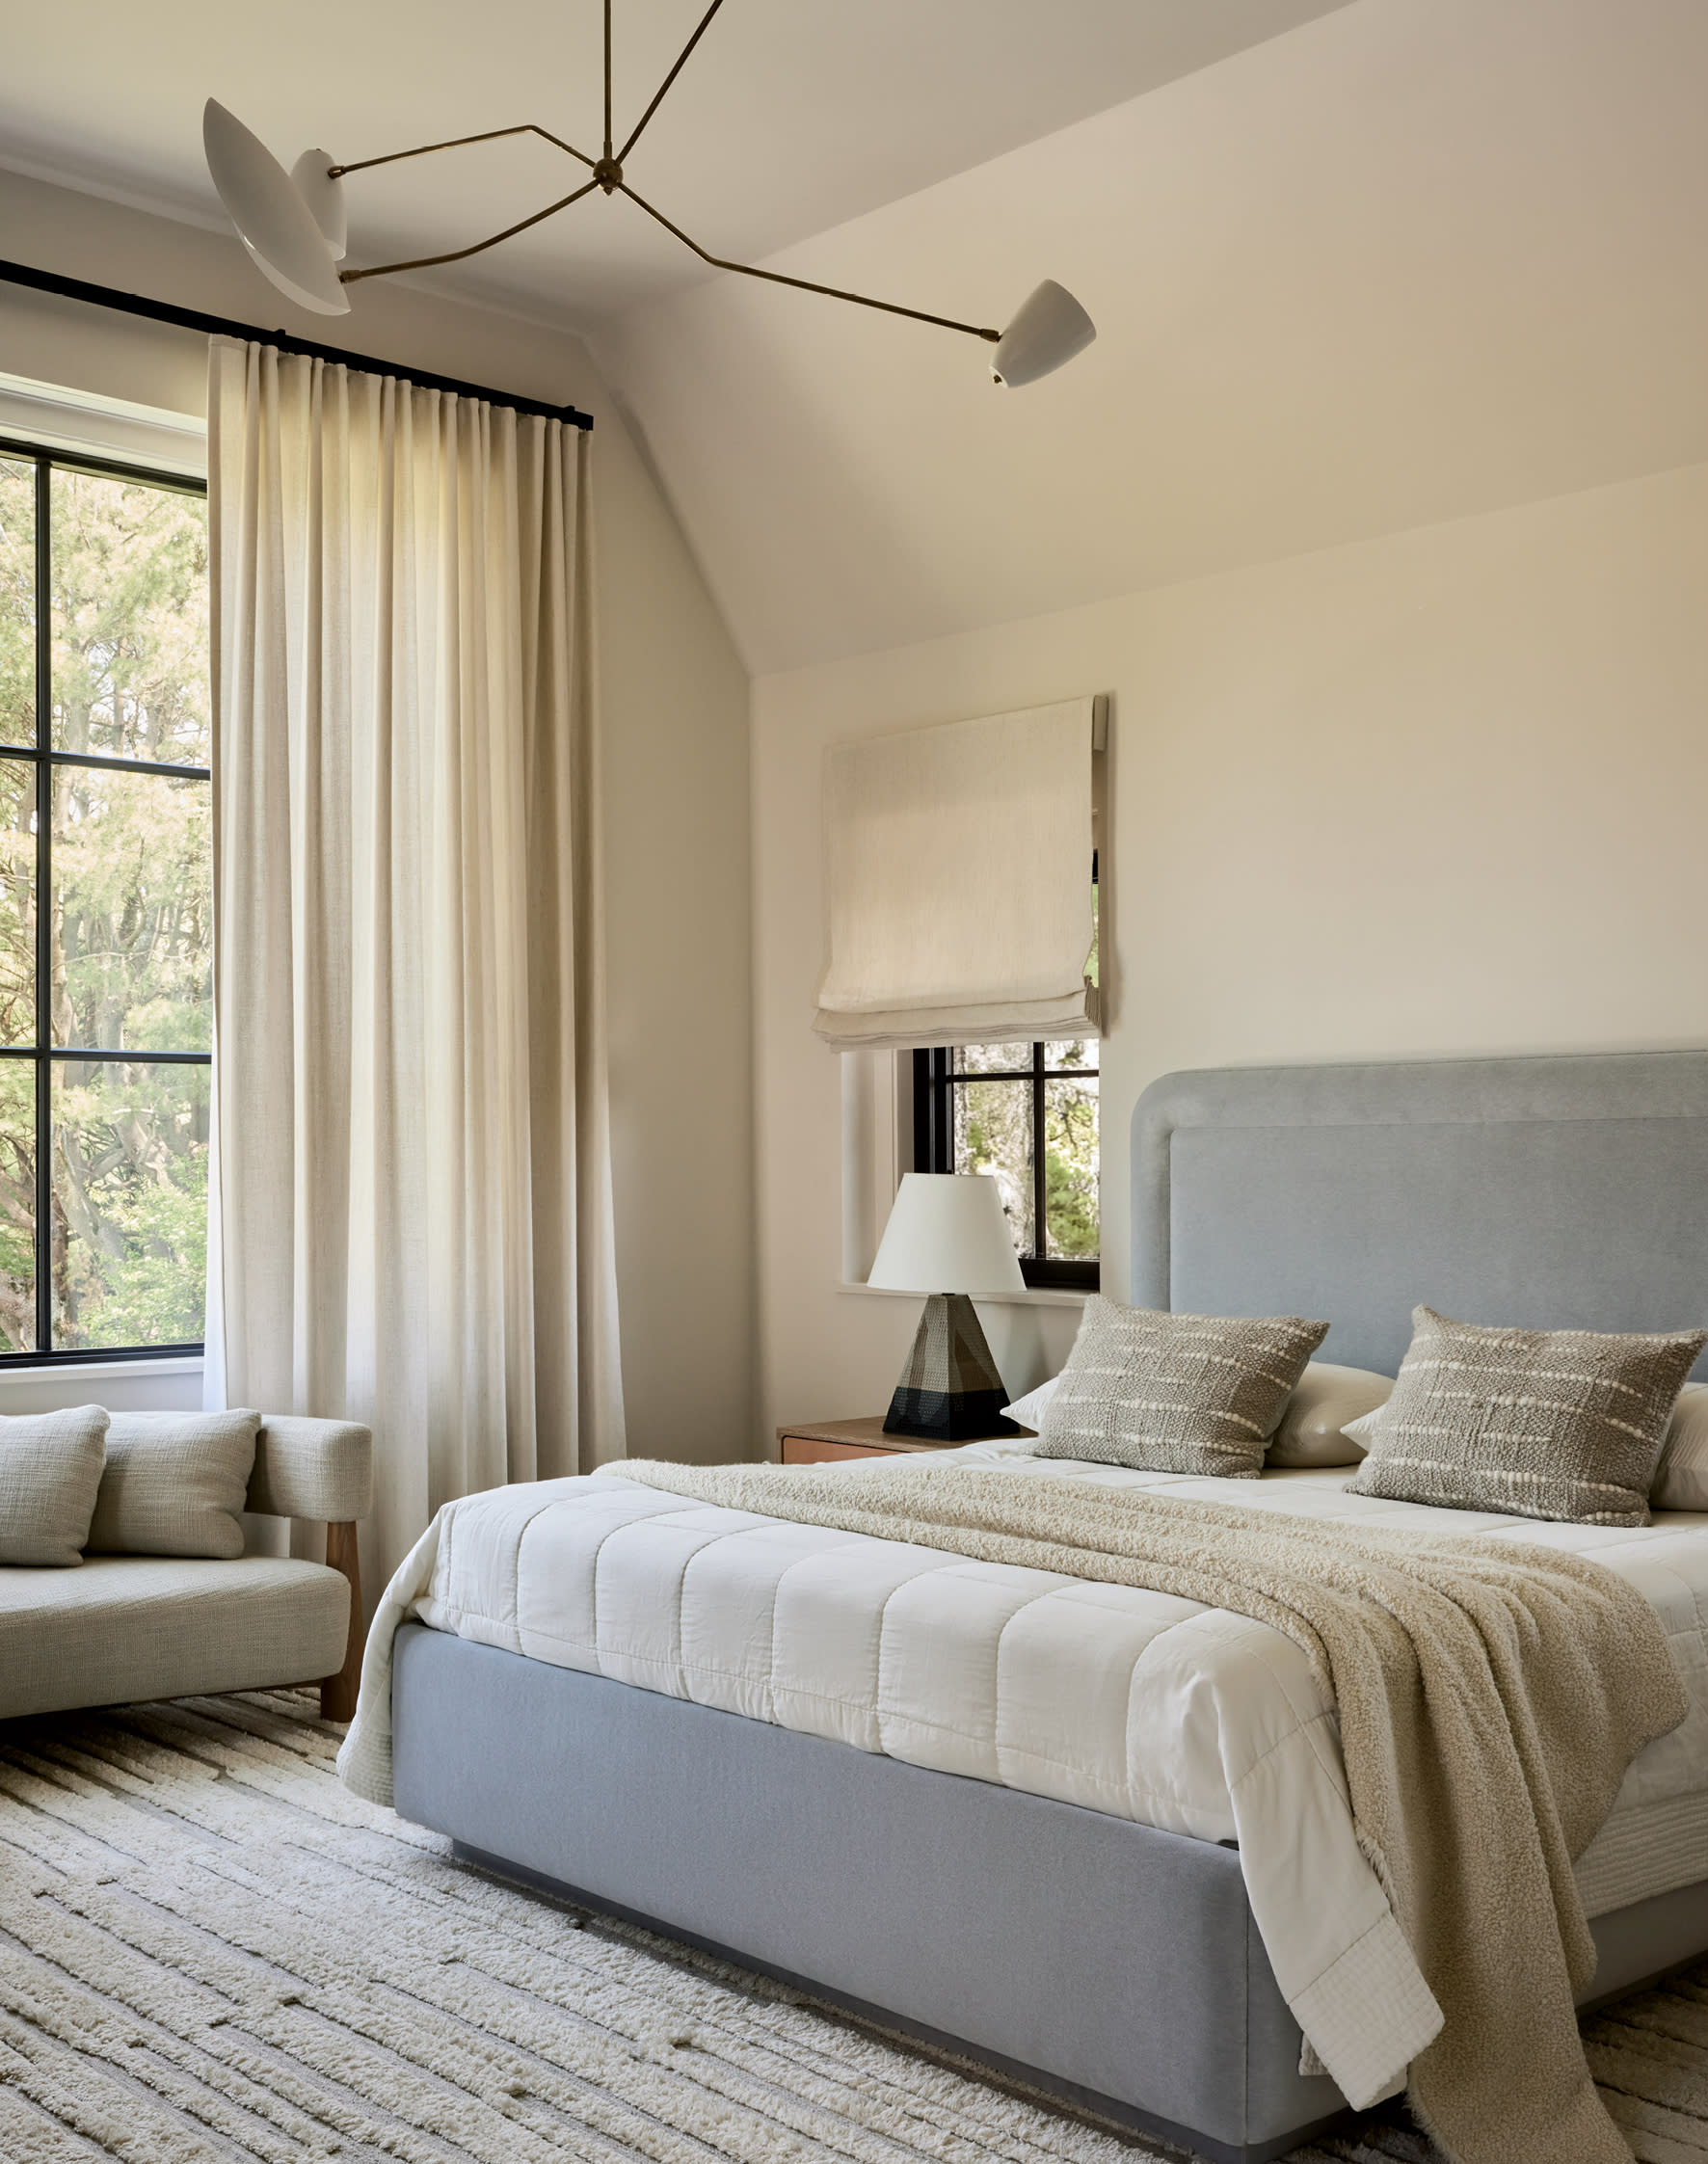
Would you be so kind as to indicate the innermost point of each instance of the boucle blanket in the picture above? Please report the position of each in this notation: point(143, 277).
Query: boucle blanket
point(1490, 1701)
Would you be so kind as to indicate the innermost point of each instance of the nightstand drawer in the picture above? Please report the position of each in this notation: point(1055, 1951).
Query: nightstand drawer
point(811, 1450)
point(807, 1443)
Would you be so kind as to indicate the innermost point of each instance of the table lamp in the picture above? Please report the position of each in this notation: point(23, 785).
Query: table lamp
point(948, 1237)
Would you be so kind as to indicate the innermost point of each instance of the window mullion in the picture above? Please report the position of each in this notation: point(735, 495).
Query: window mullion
point(44, 911)
point(1040, 1232)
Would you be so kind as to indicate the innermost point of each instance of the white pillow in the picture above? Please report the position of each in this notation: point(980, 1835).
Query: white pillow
point(1682, 1482)
point(1029, 1409)
point(1314, 1427)
point(1362, 1431)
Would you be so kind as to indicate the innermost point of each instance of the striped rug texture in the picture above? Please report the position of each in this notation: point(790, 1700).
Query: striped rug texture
point(208, 1950)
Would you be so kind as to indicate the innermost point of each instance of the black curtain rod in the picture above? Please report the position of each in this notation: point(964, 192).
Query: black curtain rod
point(220, 327)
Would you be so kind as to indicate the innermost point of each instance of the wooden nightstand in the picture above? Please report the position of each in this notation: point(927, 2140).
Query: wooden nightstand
point(801, 1445)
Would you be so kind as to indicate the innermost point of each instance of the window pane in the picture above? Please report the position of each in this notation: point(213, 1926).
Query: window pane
point(17, 1206)
point(129, 1202)
point(1078, 1055)
point(992, 1060)
point(1069, 1168)
point(130, 575)
point(17, 902)
point(133, 905)
point(994, 1134)
point(17, 603)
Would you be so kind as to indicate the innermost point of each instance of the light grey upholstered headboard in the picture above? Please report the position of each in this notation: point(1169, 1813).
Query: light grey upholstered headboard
point(1554, 1193)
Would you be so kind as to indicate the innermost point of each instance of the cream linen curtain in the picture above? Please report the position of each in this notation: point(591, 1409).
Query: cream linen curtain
point(413, 1217)
point(957, 885)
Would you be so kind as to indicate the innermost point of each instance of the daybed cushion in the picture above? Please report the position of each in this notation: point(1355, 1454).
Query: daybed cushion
point(50, 1467)
point(127, 1627)
point(174, 1484)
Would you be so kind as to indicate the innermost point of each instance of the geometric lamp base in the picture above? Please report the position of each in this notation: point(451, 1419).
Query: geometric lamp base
point(949, 1389)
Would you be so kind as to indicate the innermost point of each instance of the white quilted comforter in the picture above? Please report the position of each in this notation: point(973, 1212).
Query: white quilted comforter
point(1139, 1704)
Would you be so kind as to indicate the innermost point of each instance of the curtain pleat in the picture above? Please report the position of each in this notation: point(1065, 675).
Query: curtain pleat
point(414, 1216)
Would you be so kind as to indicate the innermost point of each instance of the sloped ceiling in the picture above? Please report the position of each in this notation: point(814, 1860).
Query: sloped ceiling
point(1415, 260)
point(792, 115)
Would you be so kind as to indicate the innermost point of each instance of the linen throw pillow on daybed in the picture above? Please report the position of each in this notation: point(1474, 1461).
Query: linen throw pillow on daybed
point(1542, 1424)
point(50, 1467)
point(1175, 1393)
point(174, 1484)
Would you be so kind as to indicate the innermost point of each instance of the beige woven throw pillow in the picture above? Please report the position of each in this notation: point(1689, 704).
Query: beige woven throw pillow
point(174, 1484)
point(1541, 1424)
point(50, 1467)
point(1175, 1393)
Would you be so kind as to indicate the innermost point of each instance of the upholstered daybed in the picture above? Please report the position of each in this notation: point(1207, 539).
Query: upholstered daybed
point(120, 1628)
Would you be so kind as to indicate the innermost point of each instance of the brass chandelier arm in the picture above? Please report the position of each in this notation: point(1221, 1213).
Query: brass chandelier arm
point(461, 141)
point(658, 98)
point(456, 254)
point(607, 81)
point(806, 285)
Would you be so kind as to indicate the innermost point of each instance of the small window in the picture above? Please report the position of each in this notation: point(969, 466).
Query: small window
point(1026, 1114)
point(106, 909)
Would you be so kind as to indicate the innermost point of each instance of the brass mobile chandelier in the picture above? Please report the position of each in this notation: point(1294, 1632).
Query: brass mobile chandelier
point(294, 225)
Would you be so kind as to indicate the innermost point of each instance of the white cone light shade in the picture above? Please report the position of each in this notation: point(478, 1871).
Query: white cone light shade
point(1050, 328)
point(947, 1234)
point(273, 221)
point(311, 178)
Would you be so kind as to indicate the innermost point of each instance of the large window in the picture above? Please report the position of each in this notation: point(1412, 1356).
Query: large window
point(106, 933)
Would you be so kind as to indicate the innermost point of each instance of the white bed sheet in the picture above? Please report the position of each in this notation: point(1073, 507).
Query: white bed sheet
point(1140, 1704)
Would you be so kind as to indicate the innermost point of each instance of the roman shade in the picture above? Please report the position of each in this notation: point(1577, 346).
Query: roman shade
point(959, 883)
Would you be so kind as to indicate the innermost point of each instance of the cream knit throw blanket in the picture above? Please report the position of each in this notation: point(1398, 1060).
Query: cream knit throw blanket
point(1491, 1694)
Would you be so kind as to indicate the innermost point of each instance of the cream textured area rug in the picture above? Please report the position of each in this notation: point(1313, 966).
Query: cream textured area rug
point(209, 1950)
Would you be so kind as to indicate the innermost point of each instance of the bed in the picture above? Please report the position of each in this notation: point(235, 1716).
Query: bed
point(696, 1760)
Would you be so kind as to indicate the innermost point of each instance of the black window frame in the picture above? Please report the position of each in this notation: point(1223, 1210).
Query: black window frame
point(935, 1082)
point(44, 1055)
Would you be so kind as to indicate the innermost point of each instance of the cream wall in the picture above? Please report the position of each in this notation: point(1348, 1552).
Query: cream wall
point(1432, 794)
point(675, 795)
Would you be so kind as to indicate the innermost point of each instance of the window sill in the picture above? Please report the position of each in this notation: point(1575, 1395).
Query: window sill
point(1042, 1296)
point(69, 1370)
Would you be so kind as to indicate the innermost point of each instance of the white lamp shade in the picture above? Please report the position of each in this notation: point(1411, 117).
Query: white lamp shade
point(273, 221)
point(312, 178)
point(1050, 328)
point(947, 1234)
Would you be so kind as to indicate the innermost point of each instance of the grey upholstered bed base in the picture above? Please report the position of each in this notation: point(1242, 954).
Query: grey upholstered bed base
point(1107, 1963)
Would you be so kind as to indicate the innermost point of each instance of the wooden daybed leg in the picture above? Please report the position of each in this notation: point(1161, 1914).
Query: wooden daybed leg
point(337, 1692)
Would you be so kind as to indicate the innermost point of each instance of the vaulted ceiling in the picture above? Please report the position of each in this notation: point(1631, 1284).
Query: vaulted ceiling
point(1355, 267)
point(791, 117)
point(1414, 260)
